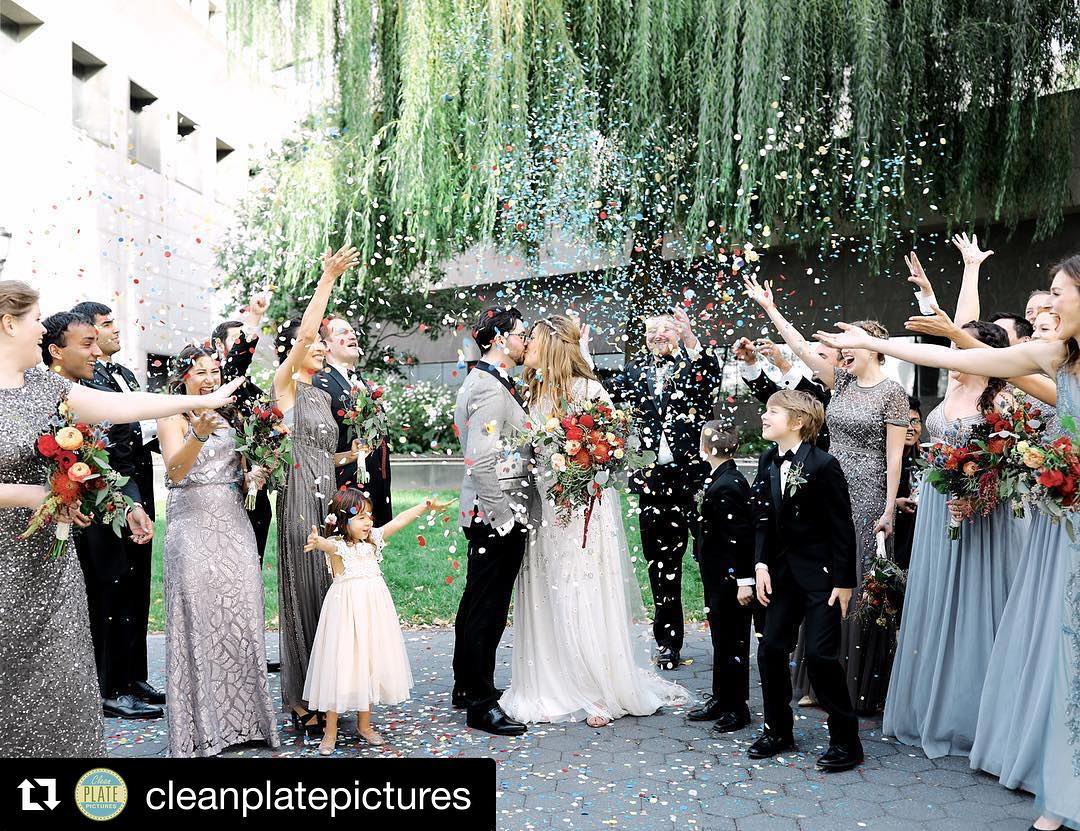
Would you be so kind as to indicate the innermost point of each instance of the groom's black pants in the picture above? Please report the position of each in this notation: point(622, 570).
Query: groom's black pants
point(494, 562)
point(665, 529)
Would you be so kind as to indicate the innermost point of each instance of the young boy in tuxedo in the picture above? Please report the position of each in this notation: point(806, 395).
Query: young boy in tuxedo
point(724, 549)
point(805, 569)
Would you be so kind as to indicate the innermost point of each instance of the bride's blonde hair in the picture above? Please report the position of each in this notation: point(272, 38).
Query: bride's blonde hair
point(557, 340)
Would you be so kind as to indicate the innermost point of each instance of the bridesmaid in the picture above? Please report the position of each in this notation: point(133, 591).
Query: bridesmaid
point(215, 652)
point(48, 680)
point(303, 579)
point(868, 420)
point(1056, 762)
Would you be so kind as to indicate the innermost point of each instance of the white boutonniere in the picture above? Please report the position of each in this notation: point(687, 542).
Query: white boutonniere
point(795, 479)
point(699, 500)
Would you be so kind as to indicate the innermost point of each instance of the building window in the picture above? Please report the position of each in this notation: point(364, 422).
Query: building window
point(89, 94)
point(144, 127)
point(16, 24)
point(188, 156)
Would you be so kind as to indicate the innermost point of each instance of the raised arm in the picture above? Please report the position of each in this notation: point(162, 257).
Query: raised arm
point(967, 304)
point(1021, 359)
point(94, 406)
point(763, 296)
point(334, 265)
point(408, 517)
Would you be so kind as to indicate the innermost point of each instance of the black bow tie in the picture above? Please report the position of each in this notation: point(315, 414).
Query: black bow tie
point(780, 458)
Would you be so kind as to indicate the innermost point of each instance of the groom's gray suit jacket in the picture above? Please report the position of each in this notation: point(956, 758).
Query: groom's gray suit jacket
point(498, 481)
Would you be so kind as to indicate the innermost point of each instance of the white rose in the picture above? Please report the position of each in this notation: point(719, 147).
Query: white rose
point(618, 454)
point(611, 438)
point(572, 447)
point(558, 462)
point(551, 425)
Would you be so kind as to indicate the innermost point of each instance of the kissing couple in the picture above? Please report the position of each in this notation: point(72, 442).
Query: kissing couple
point(574, 653)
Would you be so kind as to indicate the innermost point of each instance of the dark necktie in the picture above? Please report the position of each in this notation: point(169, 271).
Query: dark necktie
point(780, 458)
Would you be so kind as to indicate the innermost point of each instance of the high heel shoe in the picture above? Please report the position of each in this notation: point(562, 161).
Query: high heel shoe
point(327, 749)
point(372, 738)
point(307, 723)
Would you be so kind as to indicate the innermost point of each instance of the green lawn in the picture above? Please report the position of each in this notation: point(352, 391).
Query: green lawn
point(423, 579)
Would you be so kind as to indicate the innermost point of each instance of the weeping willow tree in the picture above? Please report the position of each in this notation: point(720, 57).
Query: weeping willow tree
point(458, 122)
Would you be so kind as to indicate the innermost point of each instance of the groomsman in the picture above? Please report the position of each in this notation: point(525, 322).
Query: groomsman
point(805, 544)
point(138, 551)
point(235, 342)
point(755, 372)
point(344, 382)
point(70, 348)
point(724, 549)
point(672, 392)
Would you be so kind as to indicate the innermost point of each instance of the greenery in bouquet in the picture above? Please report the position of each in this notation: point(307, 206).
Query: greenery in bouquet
point(263, 440)
point(591, 447)
point(882, 593)
point(366, 419)
point(1008, 428)
point(1053, 476)
point(965, 474)
point(79, 476)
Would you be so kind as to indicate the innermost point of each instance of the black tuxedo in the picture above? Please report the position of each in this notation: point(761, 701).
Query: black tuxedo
point(763, 386)
point(724, 550)
point(806, 539)
point(677, 414)
point(237, 362)
point(117, 572)
point(377, 488)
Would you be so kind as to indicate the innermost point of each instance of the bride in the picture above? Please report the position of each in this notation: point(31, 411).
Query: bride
point(574, 653)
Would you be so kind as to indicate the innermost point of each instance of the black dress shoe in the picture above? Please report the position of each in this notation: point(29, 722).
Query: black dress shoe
point(493, 720)
point(128, 706)
point(732, 720)
point(145, 692)
point(273, 666)
point(841, 757)
point(461, 699)
point(667, 658)
point(770, 745)
point(710, 710)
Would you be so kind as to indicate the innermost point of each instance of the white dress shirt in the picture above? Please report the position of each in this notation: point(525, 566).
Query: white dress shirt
point(346, 373)
point(784, 469)
point(788, 380)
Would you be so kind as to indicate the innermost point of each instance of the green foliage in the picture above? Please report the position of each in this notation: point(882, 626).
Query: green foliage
point(751, 442)
point(788, 121)
point(423, 417)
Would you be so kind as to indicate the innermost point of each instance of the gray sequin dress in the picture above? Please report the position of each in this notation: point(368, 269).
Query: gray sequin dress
point(50, 704)
point(215, 653)
point(303, 577)
point(955, 598)
point(857, 418)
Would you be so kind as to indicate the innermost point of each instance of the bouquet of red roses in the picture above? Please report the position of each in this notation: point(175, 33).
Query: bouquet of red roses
point(365, 420)
point(263, 440)
point(1009, 428)
point(591, 447)
point(1054, 477)
point(80, 476)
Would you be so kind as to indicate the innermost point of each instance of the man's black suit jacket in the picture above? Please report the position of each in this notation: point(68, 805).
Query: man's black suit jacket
point(127, 453)
point(377, 463)
point(724, 544)
point(807, 536)
point(688, 402)
point(237, 363)
point(763, 386)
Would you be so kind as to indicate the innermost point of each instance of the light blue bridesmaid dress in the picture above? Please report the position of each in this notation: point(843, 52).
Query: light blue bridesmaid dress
point(956, 594)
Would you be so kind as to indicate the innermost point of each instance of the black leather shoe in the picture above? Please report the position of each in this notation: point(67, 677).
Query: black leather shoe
point(493, 720)
point(145, 692)
point(731, 721)
point(710, 710)
point(841, 757)
point(668, 658)
point(461, 699)
point(128, 706)
point(273, 666)
point(770, 745)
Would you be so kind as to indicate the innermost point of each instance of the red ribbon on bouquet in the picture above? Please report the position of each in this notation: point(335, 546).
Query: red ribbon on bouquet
point(597, 496)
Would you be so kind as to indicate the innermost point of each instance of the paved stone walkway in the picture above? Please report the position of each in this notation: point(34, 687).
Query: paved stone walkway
point(658, 773)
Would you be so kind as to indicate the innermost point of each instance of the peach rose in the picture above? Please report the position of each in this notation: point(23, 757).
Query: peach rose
point(970, 468)
point(79, 472)
point(1034, 458)
point(69, 438)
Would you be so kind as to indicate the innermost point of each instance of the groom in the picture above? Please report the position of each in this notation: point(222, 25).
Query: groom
point(495, 501)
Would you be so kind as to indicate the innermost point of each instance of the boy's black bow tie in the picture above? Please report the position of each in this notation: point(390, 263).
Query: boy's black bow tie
point(780, 458)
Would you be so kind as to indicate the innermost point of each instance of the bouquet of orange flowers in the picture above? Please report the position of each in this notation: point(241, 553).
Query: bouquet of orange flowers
point(1053, 483)
point(79, 477)
point(591, 447)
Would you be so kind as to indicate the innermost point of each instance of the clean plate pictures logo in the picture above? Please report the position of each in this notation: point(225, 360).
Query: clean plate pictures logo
point(101, 794)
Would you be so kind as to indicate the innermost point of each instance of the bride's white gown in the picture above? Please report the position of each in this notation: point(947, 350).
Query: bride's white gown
point(575, 652)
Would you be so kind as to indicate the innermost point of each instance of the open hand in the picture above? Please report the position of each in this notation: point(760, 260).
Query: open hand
point(917, 275)
point(314, 539)
point(205, 422)
point(939, 324)
point(432, 504)
point(223, 395)
point(844, 596)
point(969, 249)
point(850, 337)
point(336, 263)
point(140, 525)
point(682, 324)
point(760, 294)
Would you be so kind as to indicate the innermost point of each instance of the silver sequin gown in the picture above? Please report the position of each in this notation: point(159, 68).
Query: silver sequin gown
point(857, 418)
point(303, 577)
point(215, 654)
point(49, 699)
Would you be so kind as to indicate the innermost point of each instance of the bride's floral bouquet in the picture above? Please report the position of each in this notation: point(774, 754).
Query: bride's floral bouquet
point(591, 447)
point(365, 420)
point(264, 440)
point(80, 476)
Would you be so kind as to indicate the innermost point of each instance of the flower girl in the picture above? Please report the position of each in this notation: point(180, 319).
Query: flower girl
point(358, 658)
